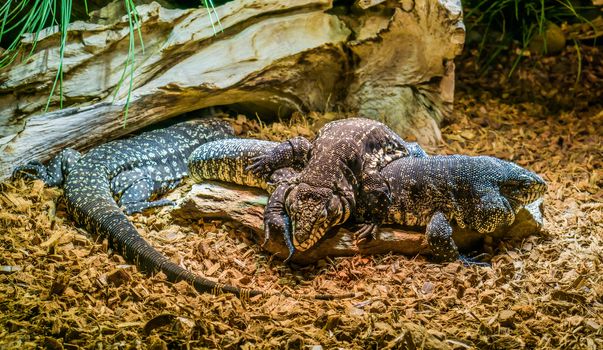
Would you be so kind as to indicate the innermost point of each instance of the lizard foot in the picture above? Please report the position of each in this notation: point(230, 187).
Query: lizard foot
point(366, 232)
point(260, 165)
point(33, 170)
point(131, 208)
point(468, 261)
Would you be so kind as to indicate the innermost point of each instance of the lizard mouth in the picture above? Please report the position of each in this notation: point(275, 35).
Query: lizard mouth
point(336, 213)
point(308, 243)
point(524, 188)
point(313, 232)
point(314, 211)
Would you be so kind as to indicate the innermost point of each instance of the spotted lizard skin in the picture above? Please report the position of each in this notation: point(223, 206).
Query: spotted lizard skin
point(132, 170)
point(229, 160)
point(340, 170)
point(482, 192)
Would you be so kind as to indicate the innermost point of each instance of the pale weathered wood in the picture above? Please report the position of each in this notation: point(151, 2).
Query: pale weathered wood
point(184, 68)
point(404, 73)
point(273, 55)
point(246, 206)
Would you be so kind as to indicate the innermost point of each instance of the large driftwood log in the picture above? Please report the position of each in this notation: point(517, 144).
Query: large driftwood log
point(245, 206)
point(383, 59)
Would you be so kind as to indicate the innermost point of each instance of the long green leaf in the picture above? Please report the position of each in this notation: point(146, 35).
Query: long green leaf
point(66, 6)
point(132, 15)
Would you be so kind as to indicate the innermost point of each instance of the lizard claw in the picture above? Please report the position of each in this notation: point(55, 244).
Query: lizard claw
point(33, 170)
point(366, 232)
point(259, 166)
point(286, 261)
point(468, 261)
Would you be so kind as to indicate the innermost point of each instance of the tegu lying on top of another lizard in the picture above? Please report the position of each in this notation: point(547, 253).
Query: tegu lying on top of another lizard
point(482, 193)
point(340, 170)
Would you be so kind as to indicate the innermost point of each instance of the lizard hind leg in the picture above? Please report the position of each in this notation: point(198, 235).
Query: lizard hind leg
point(134, 189)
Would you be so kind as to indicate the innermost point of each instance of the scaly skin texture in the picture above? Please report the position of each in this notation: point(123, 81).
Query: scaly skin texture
point(340, 169)
point(133, 170)
point(229, 160)
point(483, 193)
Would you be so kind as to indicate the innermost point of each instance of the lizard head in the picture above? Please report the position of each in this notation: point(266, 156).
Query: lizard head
point(518, 185)
point(501, 188)
point(313, 211)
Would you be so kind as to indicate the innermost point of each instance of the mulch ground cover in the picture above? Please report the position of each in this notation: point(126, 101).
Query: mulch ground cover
point(62, 289)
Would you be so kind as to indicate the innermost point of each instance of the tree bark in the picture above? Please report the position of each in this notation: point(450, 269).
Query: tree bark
point(389, 60)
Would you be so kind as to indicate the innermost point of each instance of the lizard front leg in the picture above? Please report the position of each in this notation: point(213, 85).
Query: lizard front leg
point(134, 188)
point(439, 238)
point(375, 195)
point(52, 174)
point(375, 198)
point(276, 219)
point(292, 153)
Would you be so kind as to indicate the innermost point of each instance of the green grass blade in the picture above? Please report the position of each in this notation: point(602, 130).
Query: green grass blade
point(4, 11)
point(216, 14)
point(66, 6)
point(579, 53)
point(132, 21)
point(138, 25)
point(34, 23)
point(211, 20)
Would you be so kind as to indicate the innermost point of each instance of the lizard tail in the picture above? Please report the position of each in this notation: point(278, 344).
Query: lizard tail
point(92, 206)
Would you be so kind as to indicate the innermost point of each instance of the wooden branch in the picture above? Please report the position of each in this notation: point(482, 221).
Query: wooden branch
point(245, 206)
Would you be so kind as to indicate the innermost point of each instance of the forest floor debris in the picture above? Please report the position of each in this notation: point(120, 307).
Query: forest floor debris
point(60, 289)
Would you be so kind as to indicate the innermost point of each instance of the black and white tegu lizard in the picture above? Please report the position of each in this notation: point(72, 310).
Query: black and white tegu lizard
point(133, 171)
point(482, 193)
point(340, 171)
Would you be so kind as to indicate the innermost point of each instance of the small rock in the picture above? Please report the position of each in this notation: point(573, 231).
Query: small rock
point(506, 318)
point(118, 277)
point(551, 41)
point(592, 324)
point(427, 288)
